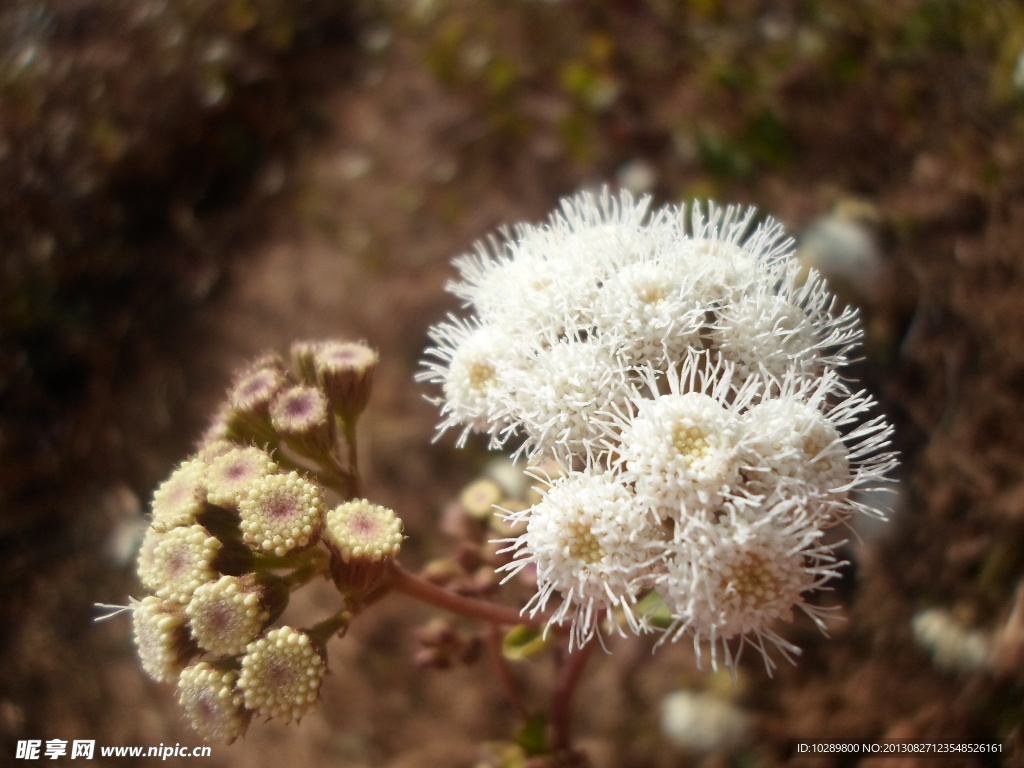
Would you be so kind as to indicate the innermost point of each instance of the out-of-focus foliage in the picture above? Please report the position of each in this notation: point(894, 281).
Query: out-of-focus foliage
point(723, 87)
point(124, 125)
point(115, 114)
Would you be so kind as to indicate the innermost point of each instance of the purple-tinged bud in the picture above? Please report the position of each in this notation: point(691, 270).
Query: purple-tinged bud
point(299, 415)
point(282, 514)
point(161, 637)
point(479, 498)
point(250, 398)
point(180, 498)
point(346, 372)
point(362, 537)
point(230, 475)
point(227, 614)
point(304, 360)
point(174, 563)
point(282, 673)
point(212, 702)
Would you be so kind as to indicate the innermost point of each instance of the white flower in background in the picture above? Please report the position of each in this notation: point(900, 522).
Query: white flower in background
point(701, 722)
point(682, 370)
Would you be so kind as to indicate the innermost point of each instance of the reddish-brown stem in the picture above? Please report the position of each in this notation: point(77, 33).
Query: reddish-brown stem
point(570, 668)
point(515, 697)
point(471, 608)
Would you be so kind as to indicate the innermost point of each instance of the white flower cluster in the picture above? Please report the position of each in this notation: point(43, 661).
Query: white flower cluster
point(683, 372)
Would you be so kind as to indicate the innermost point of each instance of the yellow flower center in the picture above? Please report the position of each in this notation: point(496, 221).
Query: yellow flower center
point(583, 545)
point(481, 375)
point(651, 294)
point(754, 581)
point(689, 441)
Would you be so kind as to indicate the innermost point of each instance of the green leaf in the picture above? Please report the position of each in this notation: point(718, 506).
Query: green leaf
point(533, 738)
point(522, 642)
point(653, 608)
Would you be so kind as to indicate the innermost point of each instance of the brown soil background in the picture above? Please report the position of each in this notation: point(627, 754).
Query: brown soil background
point(432, 125)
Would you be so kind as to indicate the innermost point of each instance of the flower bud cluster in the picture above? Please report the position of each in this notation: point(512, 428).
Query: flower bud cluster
point(214, 597)
point(271, 404)
point(235, 529)
point(683, 373)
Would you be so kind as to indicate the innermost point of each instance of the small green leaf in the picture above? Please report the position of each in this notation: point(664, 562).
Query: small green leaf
point(522, 642)
point(533, 738)
point(653, 608)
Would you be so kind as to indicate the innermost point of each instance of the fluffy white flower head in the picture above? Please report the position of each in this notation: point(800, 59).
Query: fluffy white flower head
point(681, 451)
point(554, 270)
point(683, 370)
point(733, 579)
point(471, 365)
point(590, 541)
point(792, 448)
point(559, 401)
point(766, 335)
point(649, 313)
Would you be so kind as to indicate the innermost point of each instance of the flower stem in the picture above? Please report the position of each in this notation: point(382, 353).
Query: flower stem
point(317, 563)
point(569, 672)
point(472, 608)
point(326, 629)
point(515, 696)
point(348, 430)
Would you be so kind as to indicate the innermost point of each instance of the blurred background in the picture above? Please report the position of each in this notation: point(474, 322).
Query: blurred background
point(185, 184)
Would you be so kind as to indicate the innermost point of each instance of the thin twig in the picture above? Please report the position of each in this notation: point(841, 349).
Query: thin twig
point(515, 696)
point(570, 668)
point(472, 608)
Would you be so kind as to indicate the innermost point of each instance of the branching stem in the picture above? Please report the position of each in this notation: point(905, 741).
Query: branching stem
point(472, 608)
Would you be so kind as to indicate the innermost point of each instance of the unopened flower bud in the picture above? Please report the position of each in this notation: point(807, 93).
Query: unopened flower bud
point(250, 399)
point(180, 497)
point(220, 430)
point(431, 658)
point(442, 644)
point(174, 563)
point(229, 475)
point(479, 498)
point(299, 414)
point(282, 513)
point(212, 703)
point(442, 571)
point(227, 614)
point(362, 537)
point(346, 371)
point(281, 674)
point(214, 448)
point(161, 637)
point(304, 360)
